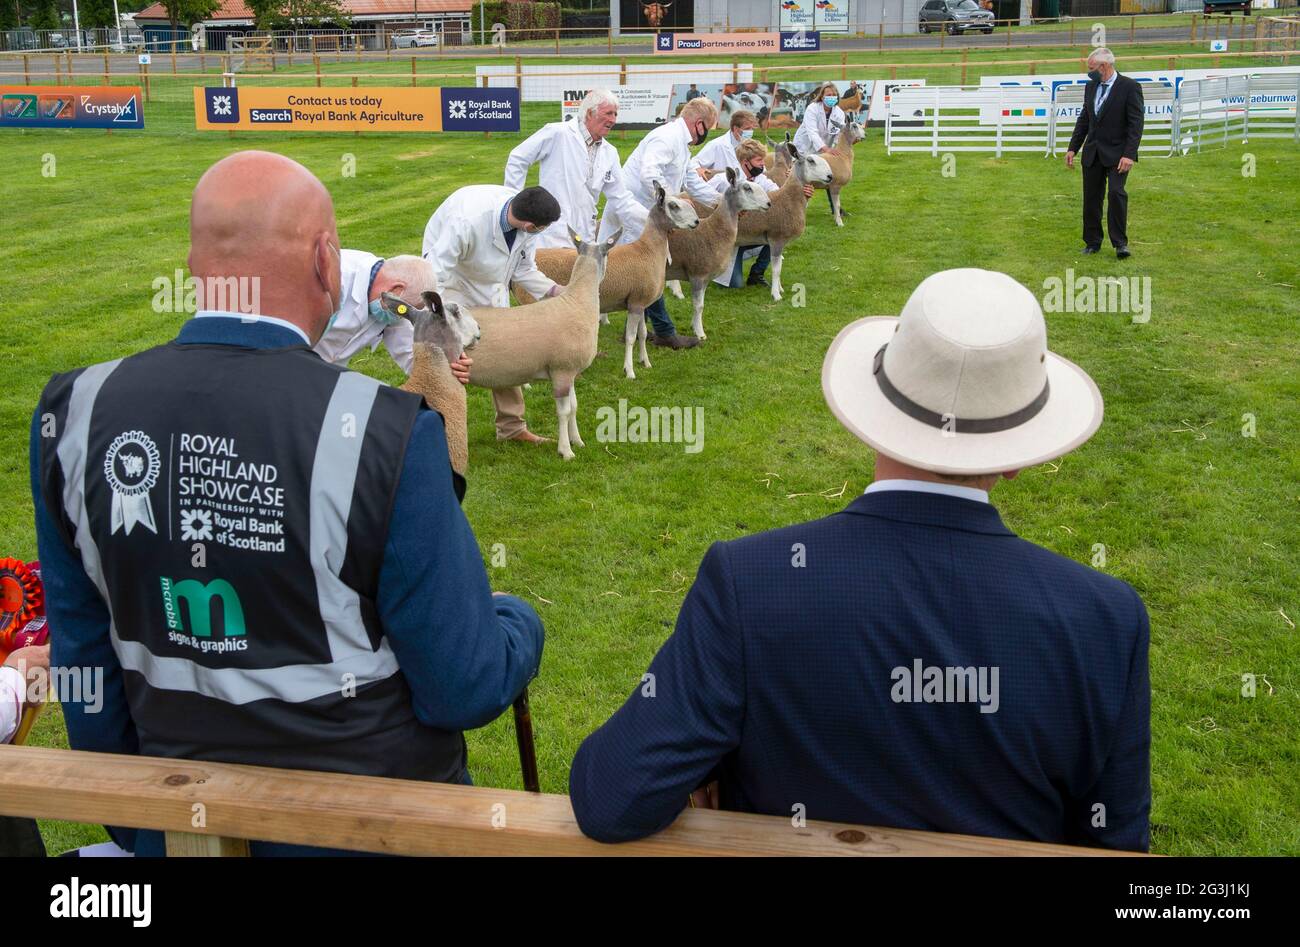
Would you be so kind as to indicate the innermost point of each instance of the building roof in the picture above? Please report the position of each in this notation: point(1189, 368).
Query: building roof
point(238, 10)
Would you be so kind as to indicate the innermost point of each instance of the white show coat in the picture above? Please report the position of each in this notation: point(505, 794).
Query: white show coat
point(355, 329)
point(663, 155)
point(576, 173)
point(817, 128)
point(718, 155)
point(467, 248)
point(13, 688)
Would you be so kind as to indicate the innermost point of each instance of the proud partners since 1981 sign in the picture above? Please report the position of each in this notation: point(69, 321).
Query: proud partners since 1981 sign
point(430, 109)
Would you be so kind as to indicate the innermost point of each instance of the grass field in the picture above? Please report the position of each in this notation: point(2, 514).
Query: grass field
point(1199, 518)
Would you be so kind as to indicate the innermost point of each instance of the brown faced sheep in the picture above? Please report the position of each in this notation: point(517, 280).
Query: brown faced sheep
point(851, 102)
point(778, 163)
point(634, 273)
point(840, 159)
point(699, 255)
point(552, 338)
point(441, 335)
point(784, 221)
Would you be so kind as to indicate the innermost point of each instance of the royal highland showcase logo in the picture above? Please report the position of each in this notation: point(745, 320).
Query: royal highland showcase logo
point(131, 467)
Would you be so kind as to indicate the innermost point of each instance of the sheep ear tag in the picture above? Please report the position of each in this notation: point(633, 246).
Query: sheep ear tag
point(395, 309)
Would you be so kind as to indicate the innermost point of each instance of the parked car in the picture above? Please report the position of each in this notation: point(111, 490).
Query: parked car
point(405, 39)
point(955, 16)
point(1228, 6)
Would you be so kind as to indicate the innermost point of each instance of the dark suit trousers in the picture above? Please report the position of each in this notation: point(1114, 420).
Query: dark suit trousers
point(1097, 179)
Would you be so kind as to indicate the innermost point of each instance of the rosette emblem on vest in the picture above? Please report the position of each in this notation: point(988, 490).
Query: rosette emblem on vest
point(131, 468)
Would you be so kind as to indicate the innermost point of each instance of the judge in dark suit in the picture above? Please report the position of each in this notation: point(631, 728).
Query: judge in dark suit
point(908, 661)
point(1109, 131)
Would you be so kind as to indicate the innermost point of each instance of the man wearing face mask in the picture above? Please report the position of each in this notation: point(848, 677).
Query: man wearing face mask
point(480, 240)
point(751, 155)
point(822, 120)
point(1109, 131)
point(663, 158)
point(261, 553)
point(363, 322)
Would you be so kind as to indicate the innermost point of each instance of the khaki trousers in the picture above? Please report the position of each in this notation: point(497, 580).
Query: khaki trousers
point(509, 403)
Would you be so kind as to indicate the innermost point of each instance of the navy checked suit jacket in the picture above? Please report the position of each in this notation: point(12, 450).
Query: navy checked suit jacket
point(780, 681)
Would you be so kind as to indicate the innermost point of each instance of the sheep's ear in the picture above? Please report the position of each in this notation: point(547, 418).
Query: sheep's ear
point(660, 193)
point(433, 302)
point(573, 235)
point(787, 138)
point(789, 146)
point(731, 176)
point(614, 238)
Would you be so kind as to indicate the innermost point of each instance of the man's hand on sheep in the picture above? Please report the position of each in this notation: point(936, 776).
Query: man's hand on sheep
point(460, 368)
point(807, 190)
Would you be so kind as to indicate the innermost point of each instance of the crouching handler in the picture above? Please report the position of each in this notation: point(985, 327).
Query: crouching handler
point(260, 556)
point(479, 241)
point(363, 322)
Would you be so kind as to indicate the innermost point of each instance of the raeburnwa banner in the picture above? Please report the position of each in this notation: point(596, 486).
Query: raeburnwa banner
point(70, 106)
point(718, 43)
point(430, 109)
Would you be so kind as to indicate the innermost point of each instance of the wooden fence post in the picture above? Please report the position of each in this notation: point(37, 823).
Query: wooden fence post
point(58, 70)
point(519, 75)
point(622, 71)
point(1195, 17)
point(965, 56)
point(735, 71)
point(880, 38)
point(355, 134)
point(557, 41)
point(609, 42)
point(893, 72)
point(203, 62)
point(1132, 29)
point(1072, 32)
point(1033, 70)
point(316, 62)
point(173, 59)
point(107, 68)
point(412, 72)
point(27, 70)
point(148, 95)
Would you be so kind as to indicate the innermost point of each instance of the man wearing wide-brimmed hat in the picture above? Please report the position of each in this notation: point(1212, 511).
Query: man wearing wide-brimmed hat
point(908, 661)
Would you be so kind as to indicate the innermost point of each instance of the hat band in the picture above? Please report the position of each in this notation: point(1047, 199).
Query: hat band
point(947, 421)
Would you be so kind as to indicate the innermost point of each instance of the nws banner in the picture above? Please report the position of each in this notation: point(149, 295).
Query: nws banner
point(70, 107)
point(341, 109)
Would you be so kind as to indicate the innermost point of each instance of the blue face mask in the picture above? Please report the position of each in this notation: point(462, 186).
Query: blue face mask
point(747, 133)
point(831, 101)
point(382, 315)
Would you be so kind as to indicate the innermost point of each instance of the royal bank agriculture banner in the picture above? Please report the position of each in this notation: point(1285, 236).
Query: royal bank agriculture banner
point(429, 109)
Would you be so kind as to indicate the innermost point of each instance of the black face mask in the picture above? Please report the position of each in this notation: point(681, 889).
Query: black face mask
point(1094, 75)
point(697, 137)
point(753, 172)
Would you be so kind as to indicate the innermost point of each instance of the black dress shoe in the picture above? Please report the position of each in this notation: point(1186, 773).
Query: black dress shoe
point(1123, 252)
point(675, 341)
point(1088, 250)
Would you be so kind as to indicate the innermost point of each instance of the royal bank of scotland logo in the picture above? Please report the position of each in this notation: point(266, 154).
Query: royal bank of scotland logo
point(131, 467)
point(222, 104)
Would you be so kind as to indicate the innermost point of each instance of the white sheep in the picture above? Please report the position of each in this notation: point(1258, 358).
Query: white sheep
point(784, 221)
point(441, 335)
point(700, 254)
point(634, 272)
point(552, 338)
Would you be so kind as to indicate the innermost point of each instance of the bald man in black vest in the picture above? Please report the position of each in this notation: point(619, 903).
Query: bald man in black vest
point(1109, 131)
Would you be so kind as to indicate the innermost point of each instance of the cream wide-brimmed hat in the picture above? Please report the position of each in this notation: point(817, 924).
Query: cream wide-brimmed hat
point(962, 381)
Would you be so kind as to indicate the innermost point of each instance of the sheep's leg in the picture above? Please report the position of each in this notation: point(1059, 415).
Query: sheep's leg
point(574, 437)
point(604, 318)
point(835, 205)
point(778, 250)
point(640, 338)
point(563, 397)
point(676, 287)
point(698, 286)
point(635, 320)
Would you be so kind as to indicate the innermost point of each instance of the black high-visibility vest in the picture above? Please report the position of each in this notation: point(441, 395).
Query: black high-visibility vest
point(232, 506)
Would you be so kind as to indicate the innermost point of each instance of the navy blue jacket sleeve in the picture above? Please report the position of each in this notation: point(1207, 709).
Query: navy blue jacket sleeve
point(465, 652)
point(1116, 812)
point(100, 720)
point(632, 777)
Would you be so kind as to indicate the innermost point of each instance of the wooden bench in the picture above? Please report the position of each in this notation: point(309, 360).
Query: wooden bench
point(213, 808)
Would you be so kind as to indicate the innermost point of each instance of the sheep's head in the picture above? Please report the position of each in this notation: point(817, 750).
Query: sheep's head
point(810, 169)
point(680, 213)
point(855, 132)
point(449, 328)
point(597, 251)
point(748, 195)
